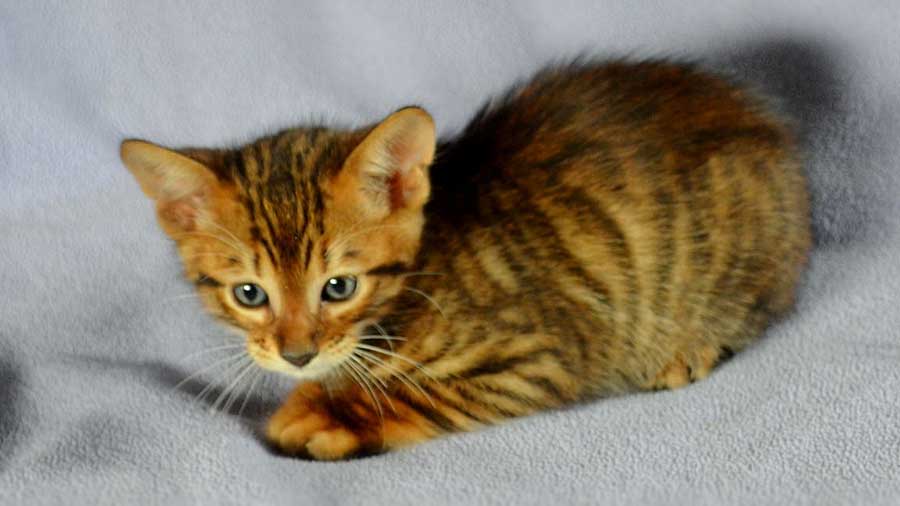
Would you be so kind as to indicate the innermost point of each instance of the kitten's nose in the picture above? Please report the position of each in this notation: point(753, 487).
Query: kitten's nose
point(298, 358)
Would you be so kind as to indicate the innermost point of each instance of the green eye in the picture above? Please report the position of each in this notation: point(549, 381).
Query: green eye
point(250, 295)
point(339, 288)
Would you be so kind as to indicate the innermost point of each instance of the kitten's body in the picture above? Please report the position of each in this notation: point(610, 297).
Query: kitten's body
point(603, 229)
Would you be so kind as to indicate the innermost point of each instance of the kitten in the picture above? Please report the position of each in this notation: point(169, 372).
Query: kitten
point(601, 229)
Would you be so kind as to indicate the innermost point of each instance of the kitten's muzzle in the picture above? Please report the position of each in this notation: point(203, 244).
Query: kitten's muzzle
point(298, 358)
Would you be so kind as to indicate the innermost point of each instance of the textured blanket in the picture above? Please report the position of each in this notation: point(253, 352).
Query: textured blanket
point(96, 327)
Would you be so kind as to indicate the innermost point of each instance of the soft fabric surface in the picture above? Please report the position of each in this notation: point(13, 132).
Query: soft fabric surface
point(94, 336)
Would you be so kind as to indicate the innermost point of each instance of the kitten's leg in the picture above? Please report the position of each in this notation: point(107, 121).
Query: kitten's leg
point(310, 423)
point(348, 422)
point(687, 367)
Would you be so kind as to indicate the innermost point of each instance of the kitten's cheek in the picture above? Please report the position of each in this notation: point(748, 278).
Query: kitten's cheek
point(262, 354)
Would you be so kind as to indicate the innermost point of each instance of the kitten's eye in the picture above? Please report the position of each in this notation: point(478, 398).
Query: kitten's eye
point(250, 295)
point(339, 288)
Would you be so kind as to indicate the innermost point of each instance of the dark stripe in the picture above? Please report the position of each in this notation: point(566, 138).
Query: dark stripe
point(546, 385)
point(442, 399)
point(251, 205)
point(239, 169)
point(206, 280)
point(701, 215)
point(271, 229)
point(319, 210)
point(727, 353)
point(257, 235)
point(304, 210)
point(544, 232)
point(347, 415)
point(527, 402)
point(263, 178)
point(596, 216)
point(491, 366)
point(436, 356)
point(570, 152)
point(269, 237)
point(262, 169)
point(391, 269)
point(307, 254)
point(480, 401)
point(665, 254)
point(488, 293)
point(539, 231)
point(270, 249)
point(314, 183)
point(293, 196)
point(511, 249)
point(431, 414)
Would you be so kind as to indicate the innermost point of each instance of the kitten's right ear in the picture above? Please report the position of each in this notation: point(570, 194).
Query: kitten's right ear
point(180, 186)
point(388, 170)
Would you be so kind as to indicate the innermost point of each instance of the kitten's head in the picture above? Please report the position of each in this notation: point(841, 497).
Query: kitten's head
point(298, 240)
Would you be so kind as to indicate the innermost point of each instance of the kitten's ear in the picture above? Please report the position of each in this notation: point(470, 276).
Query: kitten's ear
point(388, 171)
point(180, 186)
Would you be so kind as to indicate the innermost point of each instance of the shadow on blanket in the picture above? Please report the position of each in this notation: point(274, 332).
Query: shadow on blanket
point(10, 406)
point(179, 381)
point(808, 80)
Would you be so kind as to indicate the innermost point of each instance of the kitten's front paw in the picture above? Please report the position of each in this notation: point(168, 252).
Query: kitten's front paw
point(313, 435)
point(304, 427)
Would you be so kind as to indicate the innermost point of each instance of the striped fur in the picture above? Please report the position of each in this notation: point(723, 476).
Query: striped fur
point(601, 229)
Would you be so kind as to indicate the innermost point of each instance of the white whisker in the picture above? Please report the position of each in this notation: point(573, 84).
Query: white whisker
point(364, 384)
point(230, 358)
point(232, 368)
point(249, 392)
point(383, 332)
point(379, 383)
point(372, 337)
point(211, 350)
point(399, 374)
point(180, 297)
point(229, 400)
point(428, 298)
point(390, 339)
point(418, 365)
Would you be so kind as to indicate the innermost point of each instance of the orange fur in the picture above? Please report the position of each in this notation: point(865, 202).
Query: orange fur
point(604, 228)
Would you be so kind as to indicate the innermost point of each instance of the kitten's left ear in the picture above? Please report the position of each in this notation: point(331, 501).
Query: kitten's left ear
point(181, 186)
point(388, 171)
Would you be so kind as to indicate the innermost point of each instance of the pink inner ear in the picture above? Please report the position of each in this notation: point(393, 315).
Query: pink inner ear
point(398, 191)
point(401, 183)
point(183, 212)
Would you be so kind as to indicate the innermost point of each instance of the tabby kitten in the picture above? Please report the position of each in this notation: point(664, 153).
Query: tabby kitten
point(603, 228)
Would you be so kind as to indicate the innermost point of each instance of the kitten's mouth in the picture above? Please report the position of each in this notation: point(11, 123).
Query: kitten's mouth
point(342, 353)
point(329, 359)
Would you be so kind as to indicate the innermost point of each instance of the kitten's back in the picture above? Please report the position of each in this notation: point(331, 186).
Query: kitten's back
point(662, 204)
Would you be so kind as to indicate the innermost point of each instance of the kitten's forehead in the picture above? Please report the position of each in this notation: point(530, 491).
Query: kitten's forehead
point(279, 181)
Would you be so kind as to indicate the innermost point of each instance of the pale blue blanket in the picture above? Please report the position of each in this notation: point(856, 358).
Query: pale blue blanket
point(93, 334)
